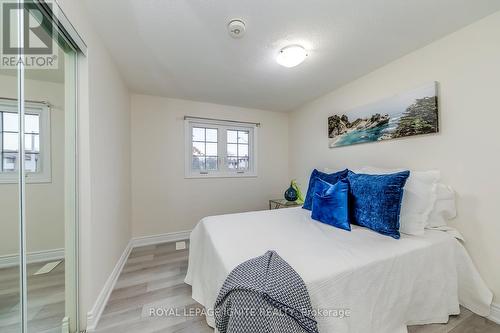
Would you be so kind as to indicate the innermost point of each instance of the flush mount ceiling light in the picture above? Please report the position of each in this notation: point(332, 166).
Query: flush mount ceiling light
point(291, 56)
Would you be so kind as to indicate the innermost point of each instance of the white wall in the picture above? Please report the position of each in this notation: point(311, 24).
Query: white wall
point(163, 200)
point(104, 152)
point(45, 201)
point(467, 66)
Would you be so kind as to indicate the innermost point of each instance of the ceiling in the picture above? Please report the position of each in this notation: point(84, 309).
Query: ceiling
point(181, 48)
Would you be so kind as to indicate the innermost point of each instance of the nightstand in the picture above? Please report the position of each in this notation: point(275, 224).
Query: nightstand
point(282, 203)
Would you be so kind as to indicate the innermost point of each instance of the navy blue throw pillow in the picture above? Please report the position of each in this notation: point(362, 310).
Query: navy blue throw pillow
point(375, 201)
point(330, 203)
point(331, 178)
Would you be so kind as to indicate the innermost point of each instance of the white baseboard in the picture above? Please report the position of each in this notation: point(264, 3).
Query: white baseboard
point(161, 238)
point(95, 313)
point(495, 313)
point(65, 325)
point(32, 257)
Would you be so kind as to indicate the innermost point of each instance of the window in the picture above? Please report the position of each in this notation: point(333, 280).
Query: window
point(237, 149)
point(220, 149)
point(36, 142)
point(205, 154)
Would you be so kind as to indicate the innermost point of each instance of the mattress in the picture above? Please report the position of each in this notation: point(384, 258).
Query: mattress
point(358, 281)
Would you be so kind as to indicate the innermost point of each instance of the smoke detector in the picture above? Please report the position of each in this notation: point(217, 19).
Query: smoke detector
point(236, 28)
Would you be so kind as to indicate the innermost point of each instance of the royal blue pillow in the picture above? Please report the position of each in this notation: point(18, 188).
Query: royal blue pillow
point(375, 201)
point(331, 178)
point(330, 203)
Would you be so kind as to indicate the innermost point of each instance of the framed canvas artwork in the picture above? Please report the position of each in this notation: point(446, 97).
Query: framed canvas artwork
point(412, 113)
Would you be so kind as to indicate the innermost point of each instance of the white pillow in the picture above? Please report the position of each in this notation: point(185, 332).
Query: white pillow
point(444, 208)
point(418, 199)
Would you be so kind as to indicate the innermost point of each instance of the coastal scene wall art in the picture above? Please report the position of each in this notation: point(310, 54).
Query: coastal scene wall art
point(412, 113)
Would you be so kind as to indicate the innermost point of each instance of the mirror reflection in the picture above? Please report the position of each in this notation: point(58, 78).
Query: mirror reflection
point(46, 155)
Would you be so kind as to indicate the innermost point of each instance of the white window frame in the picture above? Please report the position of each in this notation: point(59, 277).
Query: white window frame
point(222, 126)
point(43, 175)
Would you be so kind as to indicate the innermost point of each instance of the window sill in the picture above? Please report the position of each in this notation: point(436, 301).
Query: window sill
point(221, 175)
point(29, 180)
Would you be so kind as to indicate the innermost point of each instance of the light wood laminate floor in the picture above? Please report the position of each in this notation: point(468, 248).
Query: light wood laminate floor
point(153, 278)
point(45, 299)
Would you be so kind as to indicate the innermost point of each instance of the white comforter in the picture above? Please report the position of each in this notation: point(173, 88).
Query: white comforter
point(385, 284)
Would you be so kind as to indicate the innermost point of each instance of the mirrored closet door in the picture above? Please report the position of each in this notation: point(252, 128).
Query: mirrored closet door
point(10, 240)
point(38, 229)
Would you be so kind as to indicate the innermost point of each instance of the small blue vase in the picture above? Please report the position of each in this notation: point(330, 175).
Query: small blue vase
point(291, 194)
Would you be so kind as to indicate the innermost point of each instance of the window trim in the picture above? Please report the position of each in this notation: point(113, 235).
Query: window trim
point(44, 174)
point(221, 147)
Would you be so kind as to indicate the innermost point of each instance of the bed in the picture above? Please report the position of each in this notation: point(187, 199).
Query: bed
point(358, 281)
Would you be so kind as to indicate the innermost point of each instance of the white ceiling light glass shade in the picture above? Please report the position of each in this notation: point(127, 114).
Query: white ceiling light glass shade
point(291, 56)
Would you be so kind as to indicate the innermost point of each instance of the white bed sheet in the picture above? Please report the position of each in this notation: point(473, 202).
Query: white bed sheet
point(385, 283)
